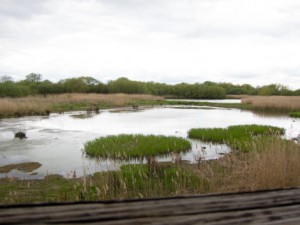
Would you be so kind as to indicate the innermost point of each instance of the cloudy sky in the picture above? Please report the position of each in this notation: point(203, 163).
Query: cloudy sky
point(238, 41)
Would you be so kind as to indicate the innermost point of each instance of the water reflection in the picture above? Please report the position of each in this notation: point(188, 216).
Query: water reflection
point(57, 141)
point(207, 100)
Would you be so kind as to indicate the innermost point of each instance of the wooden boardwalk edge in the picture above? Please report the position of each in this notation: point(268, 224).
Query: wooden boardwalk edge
point(262, 207)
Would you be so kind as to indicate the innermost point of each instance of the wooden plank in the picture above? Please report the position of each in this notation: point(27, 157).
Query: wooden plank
point(266, 207)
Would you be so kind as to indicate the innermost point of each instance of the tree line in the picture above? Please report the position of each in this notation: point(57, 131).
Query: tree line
point(33, 84)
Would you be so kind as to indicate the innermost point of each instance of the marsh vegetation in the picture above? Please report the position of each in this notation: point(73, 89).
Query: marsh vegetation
point(260, 157)
point(237, 137)
point(271, 164)
point(126, 146)
point(295, 114)
point(273, 103)
point(43, 105)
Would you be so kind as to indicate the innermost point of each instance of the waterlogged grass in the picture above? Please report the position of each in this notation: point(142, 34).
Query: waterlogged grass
point(237, 137)
point(295, 114)
point(273, 164)
point(132, 181)
point(135, 146)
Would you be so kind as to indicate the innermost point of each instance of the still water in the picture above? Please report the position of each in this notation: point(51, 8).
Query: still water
point(208, 100)
point(56, 141)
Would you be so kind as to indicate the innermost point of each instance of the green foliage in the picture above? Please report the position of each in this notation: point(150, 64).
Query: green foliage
point(207, 134)
point(33, 78)
point(86, 84)
point(198, 91)
point(9, 89)
point(295, 114)
point(128, 146)
point(6, 79)
point(274, 89)
point(237, 137)
point(244, 89)
point(124, 85)
point(132, 181)
point(168, 180)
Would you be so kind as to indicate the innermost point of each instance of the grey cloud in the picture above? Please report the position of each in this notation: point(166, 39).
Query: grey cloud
point(23, 9)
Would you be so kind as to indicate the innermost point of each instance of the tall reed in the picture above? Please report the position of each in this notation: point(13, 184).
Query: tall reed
point(40, 105)
point(276, 103)
point(272, 164)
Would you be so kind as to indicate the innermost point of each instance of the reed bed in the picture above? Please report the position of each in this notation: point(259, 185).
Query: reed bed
point(271, 164)
point(273, 103)
point(135, 146)
point(42, 105)
point(132, 181)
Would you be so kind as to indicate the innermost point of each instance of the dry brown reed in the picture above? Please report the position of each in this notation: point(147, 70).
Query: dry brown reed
point(272, 165)
point(280, 103)
point(39, 105)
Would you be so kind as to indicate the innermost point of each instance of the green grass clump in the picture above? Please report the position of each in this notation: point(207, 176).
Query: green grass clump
point(146, 181)
point(207, 134)
point(237, 137)
point(132, 181)
point(164, 180)
point(126, 146)
point(295, 114)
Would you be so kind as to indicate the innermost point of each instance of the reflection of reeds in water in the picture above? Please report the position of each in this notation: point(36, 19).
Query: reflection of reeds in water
point(285, 103)
point(39, 105)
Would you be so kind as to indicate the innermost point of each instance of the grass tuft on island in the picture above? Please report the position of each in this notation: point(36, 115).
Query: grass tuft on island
point(237, 137)
point(126, 146)
point(295, 114)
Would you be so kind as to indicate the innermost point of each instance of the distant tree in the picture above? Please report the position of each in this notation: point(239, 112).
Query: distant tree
point(6, 79)
point(124, 85)
point(46, 87)
point(274, 89)
point(89, 80)
point(34, 78)
point(296, 92)
point(75, 85)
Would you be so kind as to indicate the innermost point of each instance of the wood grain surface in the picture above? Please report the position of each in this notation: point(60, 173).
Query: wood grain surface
point(264, 207)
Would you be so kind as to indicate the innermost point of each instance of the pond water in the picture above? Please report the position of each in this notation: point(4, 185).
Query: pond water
point(56, 141)
point(208, 100)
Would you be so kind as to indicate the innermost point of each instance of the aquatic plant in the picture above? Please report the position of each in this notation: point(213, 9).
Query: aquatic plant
point(273, 164)
point(129, 146)
point(237, 137)
point(295, 114)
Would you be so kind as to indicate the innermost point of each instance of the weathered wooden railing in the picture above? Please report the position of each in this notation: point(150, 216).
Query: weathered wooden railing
point(264, 207)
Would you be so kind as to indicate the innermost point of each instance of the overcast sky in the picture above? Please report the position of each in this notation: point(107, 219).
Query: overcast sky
point(238, 41)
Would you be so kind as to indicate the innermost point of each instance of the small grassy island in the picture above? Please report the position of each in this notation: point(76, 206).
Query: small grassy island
point(126, 146)
point(295, 114)
point(237, 137)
